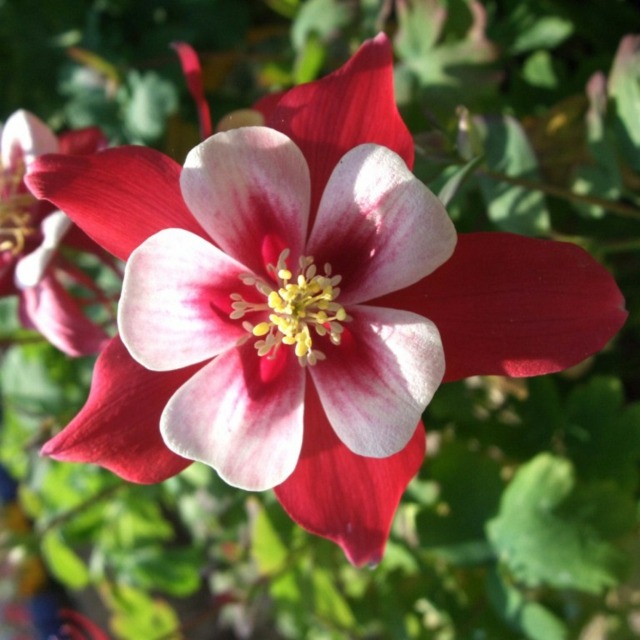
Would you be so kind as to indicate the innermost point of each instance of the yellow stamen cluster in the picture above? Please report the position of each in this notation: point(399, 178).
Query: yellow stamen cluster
point(15, 216)
point(298, 309)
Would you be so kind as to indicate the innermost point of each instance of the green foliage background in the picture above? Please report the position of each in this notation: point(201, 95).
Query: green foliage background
point(523, 522)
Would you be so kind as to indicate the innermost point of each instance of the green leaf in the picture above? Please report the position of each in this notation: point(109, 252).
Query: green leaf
point(26, 380)
point(420, 24)
point(173, 571)
point(511, 207)
point(137, 615)
point(284, 588)
point(595, 404)
point(601, 177)
point(267, 548)
point(294, 593)
point(538, 70)
point(467, 501)
point(624, 88)
point(464, 554)
point(372, 15)
point(329, 602)
point(523, 615)
point(550, 532)
point(9, 323)
point(455, 181)
point(321, 18)
point(286, 8)
point(444, 47)
point(595, 181)
point(542, 416)
point(136, 521)
point(397, 557)
point(602, 438)
point(310, 60)
point(63, 563)
point(64, 488)
point(88, 101)
point(153, 99)
point(39, 381)
point(546, 32)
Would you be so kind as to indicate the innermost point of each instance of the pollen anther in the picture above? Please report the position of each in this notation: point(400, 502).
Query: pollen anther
point(15, 216)
point(295, 310)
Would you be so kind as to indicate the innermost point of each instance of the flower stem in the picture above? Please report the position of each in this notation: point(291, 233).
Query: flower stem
point(619, 208)
point(71, 513)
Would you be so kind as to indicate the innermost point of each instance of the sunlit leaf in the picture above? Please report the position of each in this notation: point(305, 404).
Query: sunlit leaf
point(287, 8)
point(136, 615)
point(601, 176)
point(538, 70)
point(309, 60)
point(545, 32)
point(175, 571)
point(624, 87)
point(26, 381)
point(152, 100)
point(9, 324)
point(267, 547)
point(510, 206)
point(63, 562)
point(446, 55)
point(550, 533)
point(136, 521)
point(420, 26)
point(329, 602)
point(321, 18)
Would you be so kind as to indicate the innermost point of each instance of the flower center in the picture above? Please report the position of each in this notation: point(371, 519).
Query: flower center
point(300, 308)
point(16, 222)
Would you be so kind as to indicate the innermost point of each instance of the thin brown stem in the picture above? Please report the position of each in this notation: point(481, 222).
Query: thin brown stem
point(619, 208)
point(65, 516)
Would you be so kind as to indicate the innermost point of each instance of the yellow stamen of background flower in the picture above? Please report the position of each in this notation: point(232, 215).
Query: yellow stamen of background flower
point(15, 216)
point(296, 310)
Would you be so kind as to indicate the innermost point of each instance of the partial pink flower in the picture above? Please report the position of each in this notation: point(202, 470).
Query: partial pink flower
point(243, 350)
point(22, 139)
point(32, 233)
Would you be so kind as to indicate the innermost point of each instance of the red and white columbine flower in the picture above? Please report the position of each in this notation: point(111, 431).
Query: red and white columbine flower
point(276, 304)
point(223, 242)
point(31, 232)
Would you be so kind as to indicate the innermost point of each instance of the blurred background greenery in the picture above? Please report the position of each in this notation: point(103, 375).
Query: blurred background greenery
point(523, 522)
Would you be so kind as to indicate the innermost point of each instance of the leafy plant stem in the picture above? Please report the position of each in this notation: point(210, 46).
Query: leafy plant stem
point(619, 208)
point(621, 246)
point(79, 508)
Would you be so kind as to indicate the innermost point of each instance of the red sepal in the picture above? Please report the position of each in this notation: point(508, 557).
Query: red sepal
point(193, 75)
point(119, 426)
point(510, 305)
point(119, 196)
point(351, 106)
point(344, 497)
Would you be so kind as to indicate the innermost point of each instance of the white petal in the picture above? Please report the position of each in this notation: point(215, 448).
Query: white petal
point(25, 132)
point(379, 226)
point(376, 384)
point(31, 268)
point(242, 414)
point(175, 303)
point(249, 188)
